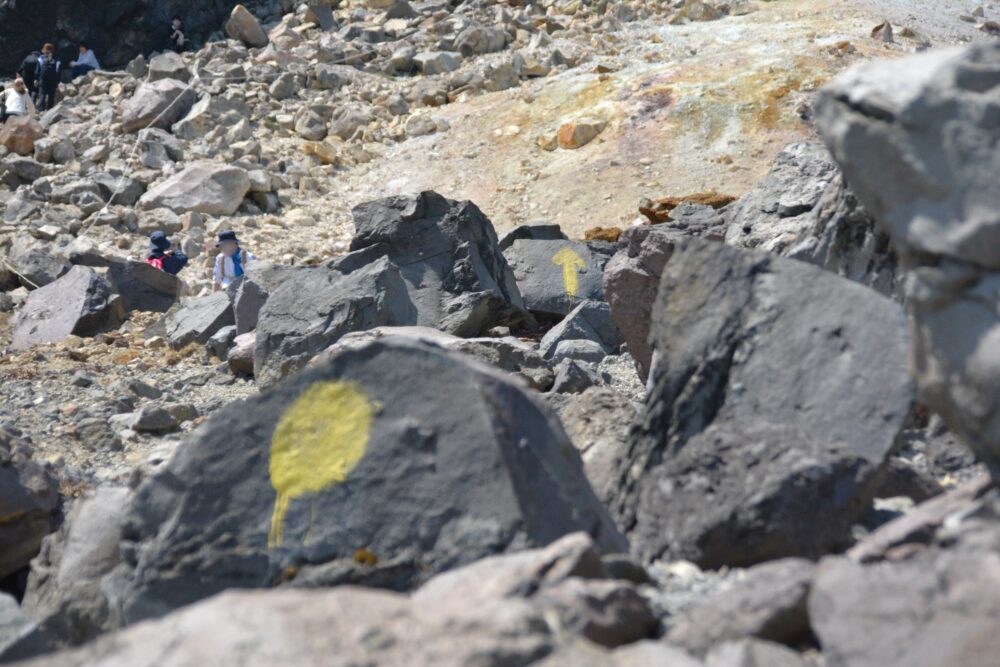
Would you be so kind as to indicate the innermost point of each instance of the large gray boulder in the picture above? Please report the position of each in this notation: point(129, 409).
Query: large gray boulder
point(29, 499)
point(64, 594)
point(314, 307)
point(157, 104)
point(34, 264)
point(447, 252)
point(781, 393)
point(204, 187)
point(915, 139)
point(143, 287)
point(168, 65)
point(198, 320)
point(345, 474)
point(555, 276)
point(80, 303)
point(804, 210)
point(244, 26)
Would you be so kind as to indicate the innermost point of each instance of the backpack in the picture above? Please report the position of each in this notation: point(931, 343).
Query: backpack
point(29, 67)
point(156, 262)
point(50, 71)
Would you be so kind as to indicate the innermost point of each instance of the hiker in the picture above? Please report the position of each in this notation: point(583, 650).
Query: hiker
point(48, 77)
point(231, 263)
point(28, 72)
point(17, 101)
point(87, 61)
point(162, 257)
point(177, 41)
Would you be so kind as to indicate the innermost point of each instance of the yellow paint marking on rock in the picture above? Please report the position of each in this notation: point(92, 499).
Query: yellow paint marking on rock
point(571, 264)
point(318, 441)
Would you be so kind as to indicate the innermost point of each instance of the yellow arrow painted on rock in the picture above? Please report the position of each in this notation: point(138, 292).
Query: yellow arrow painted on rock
point(571, 264)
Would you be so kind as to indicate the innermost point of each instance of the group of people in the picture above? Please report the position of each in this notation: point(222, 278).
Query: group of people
point(230, 264)
point(38, 78)
point(40, 73)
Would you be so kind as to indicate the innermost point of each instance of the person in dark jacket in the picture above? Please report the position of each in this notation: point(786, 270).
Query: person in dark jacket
point(177, 41)
point(162, 257)
point(28, 71)
point(49, 72)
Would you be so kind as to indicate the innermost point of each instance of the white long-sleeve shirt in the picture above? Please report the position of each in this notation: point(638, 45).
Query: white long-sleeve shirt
point(88, 58)
point(225, 270)
point(18, 104)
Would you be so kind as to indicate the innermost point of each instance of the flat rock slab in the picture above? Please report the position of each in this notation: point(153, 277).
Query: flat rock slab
point(555, 276)
point(79, 303)
point(799, 376)
point(315, 306)
point(349, 466)
point(198, 320)
point(204, 187)
point(143, 287)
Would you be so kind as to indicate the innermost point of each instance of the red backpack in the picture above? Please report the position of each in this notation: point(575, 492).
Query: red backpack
point(155, 261)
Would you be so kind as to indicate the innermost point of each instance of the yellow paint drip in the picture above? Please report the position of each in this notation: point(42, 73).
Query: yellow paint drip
point(571, 264)
point(319, 440)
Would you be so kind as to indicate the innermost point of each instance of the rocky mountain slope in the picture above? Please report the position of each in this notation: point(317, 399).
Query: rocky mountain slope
point(582, 333)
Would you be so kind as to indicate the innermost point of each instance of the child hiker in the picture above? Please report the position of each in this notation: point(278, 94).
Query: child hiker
point(232, 261)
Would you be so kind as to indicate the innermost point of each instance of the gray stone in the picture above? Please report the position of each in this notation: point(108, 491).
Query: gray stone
point(938, 608)
point(437, 62)
point(314, 306)
point(64, 594)
point(431, 484)
point(597, 422)
point(508, 354)
point(913, 138)
point(478, 40)
point(158, 104)
point(244, 26)
point(118, 188)
point(29, 499)
point(204, 187)
point(555, 276)
point(167, 65)
point(591, 321)
point(573, 377)
point(143, 287)
point(803, 209)
point(754, 653)
point(20, 638)
point(768, 602)
point(198, 320)
point(741, 333)
point(587, 351)
point(152, 419)
point(220, 342)
point(240, 357)
point(158, 148)
point(80, 303)
point(448, 255)
point(34, 264)
point(631, 282)
point(536, 232)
